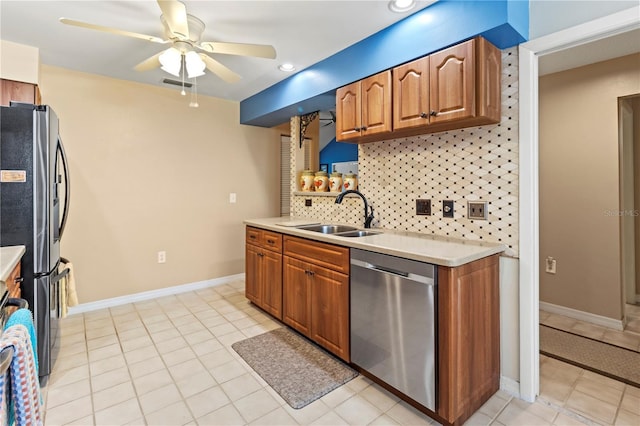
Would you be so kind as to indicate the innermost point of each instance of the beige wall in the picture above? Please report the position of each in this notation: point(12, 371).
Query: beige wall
point(149, 173)
point(19, 62)
point(579, 184)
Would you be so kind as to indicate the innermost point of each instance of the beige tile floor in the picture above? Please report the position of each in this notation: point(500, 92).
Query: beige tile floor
point(168, 361)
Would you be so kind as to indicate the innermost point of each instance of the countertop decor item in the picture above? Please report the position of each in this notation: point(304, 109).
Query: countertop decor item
point(297, 369)
point(306, 181)
point(335, 182)
point(350, 182)
point(321, 181)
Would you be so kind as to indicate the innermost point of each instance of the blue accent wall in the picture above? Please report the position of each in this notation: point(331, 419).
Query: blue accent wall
point(337, 152)
point(505, 23)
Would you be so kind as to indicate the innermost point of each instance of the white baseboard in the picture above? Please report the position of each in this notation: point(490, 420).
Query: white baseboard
point(152, 294)
point(510, 386)
point(582, 316)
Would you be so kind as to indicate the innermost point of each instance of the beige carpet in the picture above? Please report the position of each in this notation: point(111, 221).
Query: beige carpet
point(603, 358)
point(296, 368)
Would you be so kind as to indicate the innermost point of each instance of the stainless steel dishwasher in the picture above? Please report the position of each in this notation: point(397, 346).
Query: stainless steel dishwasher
point(393, 322)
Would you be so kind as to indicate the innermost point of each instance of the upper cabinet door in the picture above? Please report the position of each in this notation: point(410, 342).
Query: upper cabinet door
point(453, 83)
point(411, 94)
point(348, 117)
point(18, 91)
point(376, 103)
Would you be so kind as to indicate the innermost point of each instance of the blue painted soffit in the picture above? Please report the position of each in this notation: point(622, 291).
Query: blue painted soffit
point(505, 23)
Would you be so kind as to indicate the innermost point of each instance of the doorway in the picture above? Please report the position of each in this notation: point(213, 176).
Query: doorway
point(629, 133)
point(529, 55)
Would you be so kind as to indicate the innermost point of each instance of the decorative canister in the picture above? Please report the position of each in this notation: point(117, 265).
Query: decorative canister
point(321, 182)
point(350, 182)
point(306, 181)
point(335, 182)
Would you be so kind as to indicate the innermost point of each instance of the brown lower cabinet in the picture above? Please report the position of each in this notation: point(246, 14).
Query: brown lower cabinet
point(263, 270)
point(305, 283)
point(13, 281)
point(316, 292)
point(468, 337)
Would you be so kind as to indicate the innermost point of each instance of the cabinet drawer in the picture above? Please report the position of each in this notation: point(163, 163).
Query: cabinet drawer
point(322, 254)
point(272, 240)
point(264, 239)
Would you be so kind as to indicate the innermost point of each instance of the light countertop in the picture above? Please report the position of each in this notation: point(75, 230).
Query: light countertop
point(9, 258)
point(438, 250)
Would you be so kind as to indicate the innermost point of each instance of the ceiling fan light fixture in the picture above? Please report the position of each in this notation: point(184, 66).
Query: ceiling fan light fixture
point(400, 6)
point(171, 60)
point(195, 64)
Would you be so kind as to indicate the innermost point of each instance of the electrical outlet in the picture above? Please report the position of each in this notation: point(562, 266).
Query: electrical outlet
point(232, 197)
point(162, 256)
point(477, 210)
point(423, 207)
point(307, 202)
point(550, 265)
point(447, 208)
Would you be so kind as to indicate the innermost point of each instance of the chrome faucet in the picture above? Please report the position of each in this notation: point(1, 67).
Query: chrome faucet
point(368, 210)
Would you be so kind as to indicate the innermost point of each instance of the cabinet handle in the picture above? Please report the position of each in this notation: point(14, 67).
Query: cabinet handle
point(364, 128)
point(260, 254)
point(253, 237)
point(18, 280)
point(271, 241)
point(424, 115)
point(309, 273)
point(357, 129)
point(433, 113)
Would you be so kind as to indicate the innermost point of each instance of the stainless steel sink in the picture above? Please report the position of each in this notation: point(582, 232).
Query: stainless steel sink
point(358, 233)
point(328, 229)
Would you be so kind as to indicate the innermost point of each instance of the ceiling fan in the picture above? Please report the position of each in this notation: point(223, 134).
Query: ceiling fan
point(183, 32)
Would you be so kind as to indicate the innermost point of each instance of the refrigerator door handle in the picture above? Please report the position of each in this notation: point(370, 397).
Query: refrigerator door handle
point(60, 276)
point(67, 195)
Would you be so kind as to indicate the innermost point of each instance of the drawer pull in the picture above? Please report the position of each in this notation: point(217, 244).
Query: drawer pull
point(253, 237)
point(271, 241)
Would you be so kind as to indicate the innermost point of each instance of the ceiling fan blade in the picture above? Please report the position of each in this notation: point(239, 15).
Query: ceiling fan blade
point(149, 63)
point(175, 14)
point(257, 50)
point(112, 30)
point(220, 70)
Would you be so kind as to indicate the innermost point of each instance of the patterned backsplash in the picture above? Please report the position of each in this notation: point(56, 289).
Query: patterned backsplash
point(477, 163)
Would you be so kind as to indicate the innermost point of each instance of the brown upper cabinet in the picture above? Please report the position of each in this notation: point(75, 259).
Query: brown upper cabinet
point(18, 91)
point(451, 89)
point(363, 108)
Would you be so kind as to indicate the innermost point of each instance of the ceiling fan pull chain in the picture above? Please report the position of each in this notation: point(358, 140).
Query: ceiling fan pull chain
point(183, 93)
point(194, 90)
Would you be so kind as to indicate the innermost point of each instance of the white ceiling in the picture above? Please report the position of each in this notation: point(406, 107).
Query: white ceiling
point(302, 32)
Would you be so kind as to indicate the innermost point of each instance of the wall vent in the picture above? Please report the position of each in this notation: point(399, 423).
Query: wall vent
point(176, 82)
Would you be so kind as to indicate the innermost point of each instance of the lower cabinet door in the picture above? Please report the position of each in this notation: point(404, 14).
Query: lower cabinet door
point(330, 310)
point(296, 310)
point(252, 289)
point(272, 283)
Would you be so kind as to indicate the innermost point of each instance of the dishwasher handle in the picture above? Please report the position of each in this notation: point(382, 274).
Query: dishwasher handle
point(389, 271)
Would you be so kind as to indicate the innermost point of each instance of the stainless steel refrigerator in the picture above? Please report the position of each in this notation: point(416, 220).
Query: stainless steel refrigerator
point(34, 176)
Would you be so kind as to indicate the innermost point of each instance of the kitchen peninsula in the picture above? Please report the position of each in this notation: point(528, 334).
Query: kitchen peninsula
point(305, 278)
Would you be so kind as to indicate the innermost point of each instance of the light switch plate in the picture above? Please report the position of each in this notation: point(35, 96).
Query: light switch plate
point(478, 210)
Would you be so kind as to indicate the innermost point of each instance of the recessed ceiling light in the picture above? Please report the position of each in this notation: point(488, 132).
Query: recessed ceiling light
point(287, 67)
point(400, 6)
